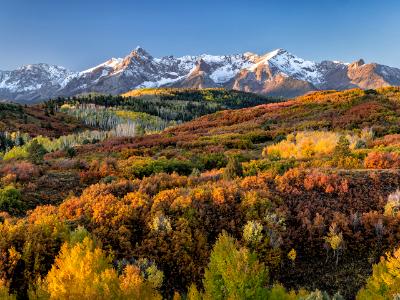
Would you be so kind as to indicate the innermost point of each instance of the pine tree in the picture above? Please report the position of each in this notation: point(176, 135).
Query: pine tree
point(233, 169)
point(342, 148)
point(36, 152)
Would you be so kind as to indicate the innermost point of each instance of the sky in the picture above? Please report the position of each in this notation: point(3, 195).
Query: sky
point(80, 34)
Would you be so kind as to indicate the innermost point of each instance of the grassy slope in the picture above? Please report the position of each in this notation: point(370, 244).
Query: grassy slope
point(245, 131)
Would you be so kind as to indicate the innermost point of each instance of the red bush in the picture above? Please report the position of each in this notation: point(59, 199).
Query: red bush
point(24, 171)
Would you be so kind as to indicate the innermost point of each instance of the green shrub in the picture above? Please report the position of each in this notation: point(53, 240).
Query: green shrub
point(17, 152)
point(36, 152)
point(233, 168)
point(210, 161)
point(11, 200)
point(140, 167)
point(253, 167)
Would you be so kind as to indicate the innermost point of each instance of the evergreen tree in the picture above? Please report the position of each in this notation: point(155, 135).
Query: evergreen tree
point(342, 148)
point(36, 152)
point(233, 168)
point(11, 200)
point(71, 152)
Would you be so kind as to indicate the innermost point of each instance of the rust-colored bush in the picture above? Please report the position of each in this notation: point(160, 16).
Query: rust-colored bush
point(23, 170)
point(382, 160)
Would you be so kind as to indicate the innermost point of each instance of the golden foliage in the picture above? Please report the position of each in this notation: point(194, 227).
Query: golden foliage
point(252, 232)
point(304, 144)
point(392, 207)
point(334, 238)
point(292, 255)
point(4, 293)
point(83, 271)
point(133, 286)
point(384, 283)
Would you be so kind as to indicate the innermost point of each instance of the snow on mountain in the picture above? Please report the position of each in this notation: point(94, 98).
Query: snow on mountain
point(291, 65)
point(230, 67)
point(32, 77)
point(275, 73)
point(32, 82)
point(112, 63)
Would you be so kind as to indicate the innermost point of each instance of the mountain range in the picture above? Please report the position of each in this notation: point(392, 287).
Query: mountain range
point(276, 73)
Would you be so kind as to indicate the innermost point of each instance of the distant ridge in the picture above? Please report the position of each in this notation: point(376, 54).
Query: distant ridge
point(276, 73)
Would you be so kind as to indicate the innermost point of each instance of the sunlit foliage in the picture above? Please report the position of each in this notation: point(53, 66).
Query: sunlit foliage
point(196, 210)
point(392, 207)
point(384, 282)
point(234, 272)
point(304, 145)
point(84, 271)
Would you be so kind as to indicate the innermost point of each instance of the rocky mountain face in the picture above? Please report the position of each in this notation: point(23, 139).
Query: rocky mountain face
point(31, 82)
point(277, 73)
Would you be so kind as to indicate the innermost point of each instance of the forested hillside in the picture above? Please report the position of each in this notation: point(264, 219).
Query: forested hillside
point(288, 200)
point(36, 120)
point(176, 105)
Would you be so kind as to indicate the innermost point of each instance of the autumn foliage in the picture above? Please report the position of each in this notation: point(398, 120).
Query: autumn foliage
point(268, 202)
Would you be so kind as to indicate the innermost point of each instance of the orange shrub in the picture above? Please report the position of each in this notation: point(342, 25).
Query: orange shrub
point(9, 179)
point(382, 160)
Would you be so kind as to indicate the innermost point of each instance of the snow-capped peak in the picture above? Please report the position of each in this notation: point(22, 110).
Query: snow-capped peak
point(33, 77)
point(275, 53)
point(251, 56)
point(43, 67)
point(248, 71)
point(140, 52)
point(290, 65)
point(112, 63)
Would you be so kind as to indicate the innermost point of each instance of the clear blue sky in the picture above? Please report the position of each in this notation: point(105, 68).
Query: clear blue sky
point(78, 34)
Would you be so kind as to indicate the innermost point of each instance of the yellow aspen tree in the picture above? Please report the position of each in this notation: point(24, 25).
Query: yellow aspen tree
point(384, 283)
